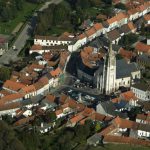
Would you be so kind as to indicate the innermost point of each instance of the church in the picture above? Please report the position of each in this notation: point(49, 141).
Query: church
point(113, 73)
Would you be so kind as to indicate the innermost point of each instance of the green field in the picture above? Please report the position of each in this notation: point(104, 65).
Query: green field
point(8, 27)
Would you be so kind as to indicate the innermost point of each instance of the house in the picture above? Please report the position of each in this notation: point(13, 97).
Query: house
point(55, 74)
point(59, 113)
point(28, 91)
point(127, 28)
point(129, 97)
point(113, 36)
point(90, 56)
point(49, 102)
point(95, 139)
point(52, 41)
point(75, 120)
point(143, 130)
point(108, 108)
point(45, 49)
point(141, 48)
point(44, 81)
point(126, 54)
point(24, 121)
point(91, 33)
point(44, 128)
point(143, 60)
point(10, 103)
point(12, 86)
point(99, 29)
point(133, 14)
point(141, 91)
point(143, 118)
point(111, 23)
point(122, 18)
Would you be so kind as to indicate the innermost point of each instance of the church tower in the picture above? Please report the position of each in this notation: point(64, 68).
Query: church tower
point(110, 72)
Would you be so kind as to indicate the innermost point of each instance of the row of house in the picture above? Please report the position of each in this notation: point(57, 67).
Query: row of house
point(110, 24)
point(122, 131)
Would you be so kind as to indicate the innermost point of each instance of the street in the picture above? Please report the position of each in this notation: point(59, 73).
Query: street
point(11, 55)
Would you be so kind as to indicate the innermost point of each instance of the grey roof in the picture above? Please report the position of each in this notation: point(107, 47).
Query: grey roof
point(125, 29)
point(144, 127)
point(142, 86)
point(94, 139)
point(113, 35)
point(110, 109)
point(123, 69)
point(144, 58)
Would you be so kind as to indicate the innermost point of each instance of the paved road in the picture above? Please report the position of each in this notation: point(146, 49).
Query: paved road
point(23, 37)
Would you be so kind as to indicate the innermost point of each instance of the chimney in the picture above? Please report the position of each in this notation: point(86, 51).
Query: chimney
point(148, 41)
point(42, 124)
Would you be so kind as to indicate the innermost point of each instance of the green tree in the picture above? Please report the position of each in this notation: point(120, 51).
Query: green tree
point(8, 140)
point(97, 126)
point(50, 116)
point(121, 6)
point(5, 73)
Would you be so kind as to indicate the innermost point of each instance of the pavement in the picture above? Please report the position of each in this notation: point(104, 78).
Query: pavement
point(11, 55)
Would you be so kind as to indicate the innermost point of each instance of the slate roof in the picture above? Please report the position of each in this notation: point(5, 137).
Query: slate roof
point(144, 58)
point(141, 86)
point(110, 108)
point(113, 35)
point(94, 139)
point(123, 69)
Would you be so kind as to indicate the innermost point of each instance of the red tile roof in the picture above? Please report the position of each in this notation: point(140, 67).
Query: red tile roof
point(125, 140)
point(88, 112)
point(28, 89)
point(76, 119)
point(10, 98)
point(125, 54)
point(50, 98)
point(98, 26)
point(56, 72)
point(128, 96)
point(23, 121)
point(15, 86)
point(141, 47)
point(123, 123)
point(90, 32)
point(58, 112)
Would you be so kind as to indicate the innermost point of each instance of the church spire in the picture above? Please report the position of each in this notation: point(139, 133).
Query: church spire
point(110, 48)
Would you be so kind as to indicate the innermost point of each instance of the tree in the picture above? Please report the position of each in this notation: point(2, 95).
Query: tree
point(31, 140)
point(121, 6)
point(97, 127)
point(50, 116)
point(5, 73)
point(8, 140)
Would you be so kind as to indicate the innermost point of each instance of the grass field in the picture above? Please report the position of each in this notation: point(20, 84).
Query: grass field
point(8, 27)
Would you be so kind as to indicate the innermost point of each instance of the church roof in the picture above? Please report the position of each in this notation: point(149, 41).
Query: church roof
point(123, 69)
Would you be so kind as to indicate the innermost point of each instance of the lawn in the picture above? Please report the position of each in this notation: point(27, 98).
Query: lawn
point(58, 30)
point(93, 12)
point(8, 27)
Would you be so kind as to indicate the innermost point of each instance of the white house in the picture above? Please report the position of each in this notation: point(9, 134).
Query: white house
point(28, 91)
point(142, 91)
point(52, 41)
